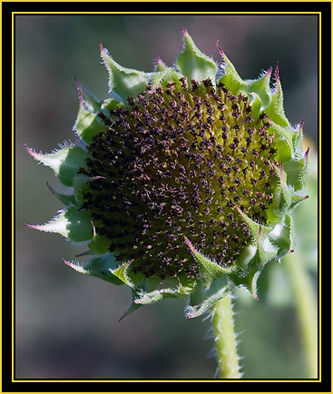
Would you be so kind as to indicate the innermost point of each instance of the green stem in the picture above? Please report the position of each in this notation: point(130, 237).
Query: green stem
point(225, 339)
point(306, 311)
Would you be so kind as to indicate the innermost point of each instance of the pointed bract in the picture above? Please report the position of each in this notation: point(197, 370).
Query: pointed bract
point(209, 270)
point(261, 87)
point(89, 121)
point(202, 299)
point(87, 99)
point(125, 82)
point(275, 110)
point(230, 77)
point(164, 76)
point(71, 223)
point(193, 63)
point(159, 64)
point(67, 199)
point(122, 273)
point(65, 162)
point(100, 267)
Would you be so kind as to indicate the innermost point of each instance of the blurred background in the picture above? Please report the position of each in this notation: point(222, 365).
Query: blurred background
point(67, 324)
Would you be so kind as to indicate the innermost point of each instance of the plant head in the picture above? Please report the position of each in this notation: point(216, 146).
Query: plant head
point(182, 182)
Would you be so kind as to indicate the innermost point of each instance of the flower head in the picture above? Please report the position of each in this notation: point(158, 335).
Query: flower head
point(183, 181)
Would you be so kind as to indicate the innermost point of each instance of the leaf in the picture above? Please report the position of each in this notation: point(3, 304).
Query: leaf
point(201, 300)
point(261, 87)
point(209, 271)
point(88, 124)
point(193, 63)
point(167, 75)
point(122, 273)
point(67, 199)
point(64, 162)
point(71, 223)
point(231, 78)
point(125, 82)
point(100, 267)
point(275, 110)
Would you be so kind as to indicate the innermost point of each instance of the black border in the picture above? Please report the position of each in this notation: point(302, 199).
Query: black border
point(160, 7)
point(8, 385)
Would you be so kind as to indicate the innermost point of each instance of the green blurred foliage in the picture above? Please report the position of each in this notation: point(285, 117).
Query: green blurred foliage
point(67, 324)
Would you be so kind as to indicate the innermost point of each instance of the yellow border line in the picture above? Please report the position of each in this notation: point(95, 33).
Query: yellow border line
point(13, 197)
point(164, 13)
point(319, 198)
point(319, 189)
point(177, 1)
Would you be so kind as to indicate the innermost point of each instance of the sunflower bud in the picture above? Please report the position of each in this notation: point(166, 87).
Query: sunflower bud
point(183, 181)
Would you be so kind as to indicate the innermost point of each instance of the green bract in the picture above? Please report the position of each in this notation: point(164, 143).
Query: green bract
point(183, 182)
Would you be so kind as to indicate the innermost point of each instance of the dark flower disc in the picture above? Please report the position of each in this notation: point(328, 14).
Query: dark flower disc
point(180, 160)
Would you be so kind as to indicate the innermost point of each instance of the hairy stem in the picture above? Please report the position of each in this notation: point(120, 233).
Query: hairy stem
point(306, 311)
point(225, 339)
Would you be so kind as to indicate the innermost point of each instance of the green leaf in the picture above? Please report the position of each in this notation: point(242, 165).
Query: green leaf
point(155, 291)
point(253, 226)
point(99, 244)
point(79, 225)
point(71, 223)
point(201, 300)
point(296, 172)
point(88, 121)
point(275, 110)
point(64, 162)
point(193, 63)
point(253, 258)
point(167, 75)
point(298, 152)
point(283, 236)
point(255, 104)
point(248, 275)
point(283, 141)
point(159, 64)
point(88, 124)
point(231, 78)
point(261, 87)
point(67, 199)
point(266, 251)
point(155, 296)
point(122, 273)
point(78, 183)
point(209, 271)
point(109, 104)
point(125, 82)
point(100, 267)
point(284, 194)
point(91, 103)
